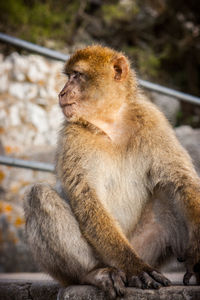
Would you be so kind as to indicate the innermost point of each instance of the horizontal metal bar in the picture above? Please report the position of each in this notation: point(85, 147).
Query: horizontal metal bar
point(33, 47)
point(63, 57)
point(170, 92)
point(26, 164)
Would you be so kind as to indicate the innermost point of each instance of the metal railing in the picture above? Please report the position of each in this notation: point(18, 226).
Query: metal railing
point(33, 47)
point(63, 57)
point(46, 167)
point(26, 164)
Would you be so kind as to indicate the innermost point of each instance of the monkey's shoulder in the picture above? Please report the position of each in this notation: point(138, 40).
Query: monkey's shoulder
point(147, 114)
point(77, 133)
point(76, 140)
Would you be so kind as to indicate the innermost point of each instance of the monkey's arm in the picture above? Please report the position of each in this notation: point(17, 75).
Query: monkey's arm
point(101, 230)
point(105, 236)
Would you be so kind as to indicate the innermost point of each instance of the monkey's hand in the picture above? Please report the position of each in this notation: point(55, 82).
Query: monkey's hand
point(148, 278)
point(109, 279)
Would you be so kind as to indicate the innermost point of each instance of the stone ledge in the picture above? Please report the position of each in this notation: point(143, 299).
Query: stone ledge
point(34, 289)
point(169, 293)
point(28, 290)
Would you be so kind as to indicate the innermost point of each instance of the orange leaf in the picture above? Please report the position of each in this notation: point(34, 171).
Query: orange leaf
point(2, 175)
point(19, 221)
point(7, 208)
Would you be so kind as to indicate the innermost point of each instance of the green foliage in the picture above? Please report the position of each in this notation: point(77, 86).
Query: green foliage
point(112, 12)
point(179, 118)
point(38, 20)
point(161, 37)
point(15, 12)
point(119, 11)
point(145, 60)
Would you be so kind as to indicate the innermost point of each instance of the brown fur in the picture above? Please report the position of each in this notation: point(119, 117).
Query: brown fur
point(131, 190)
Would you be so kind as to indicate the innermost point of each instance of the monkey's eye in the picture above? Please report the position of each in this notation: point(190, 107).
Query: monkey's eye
point(73, 75)
point(66, 74)
point(77, 74)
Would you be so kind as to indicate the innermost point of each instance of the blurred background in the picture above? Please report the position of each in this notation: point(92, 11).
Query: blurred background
point(162, 39)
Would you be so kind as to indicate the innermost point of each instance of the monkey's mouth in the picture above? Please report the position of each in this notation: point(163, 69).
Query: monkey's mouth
point(68, 109)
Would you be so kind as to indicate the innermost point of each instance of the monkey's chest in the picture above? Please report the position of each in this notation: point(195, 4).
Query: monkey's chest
point(120, 186)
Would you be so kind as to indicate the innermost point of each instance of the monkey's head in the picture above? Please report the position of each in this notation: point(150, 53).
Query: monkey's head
point(99, 81)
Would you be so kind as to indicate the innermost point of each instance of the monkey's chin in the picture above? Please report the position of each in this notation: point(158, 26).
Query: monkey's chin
point(69, 113)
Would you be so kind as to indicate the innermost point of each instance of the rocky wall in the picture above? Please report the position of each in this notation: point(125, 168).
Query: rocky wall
point(29, 121)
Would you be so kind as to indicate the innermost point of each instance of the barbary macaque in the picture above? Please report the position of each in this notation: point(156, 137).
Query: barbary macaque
point(127, 195)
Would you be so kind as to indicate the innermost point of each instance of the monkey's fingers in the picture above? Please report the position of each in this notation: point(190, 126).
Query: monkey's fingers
point(119, 280)
point(134, 281)
point(143, 281)
point(148, 282)
point(160, 278)
point(108, 288)
point(109, 279)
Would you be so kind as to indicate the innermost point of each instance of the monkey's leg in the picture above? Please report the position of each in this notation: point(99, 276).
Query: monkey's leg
point(54, 236)
point(159, 233)
point(55, 239)
point(186, 201)
point(150, 243)
point(172, 171)
point(150, 240)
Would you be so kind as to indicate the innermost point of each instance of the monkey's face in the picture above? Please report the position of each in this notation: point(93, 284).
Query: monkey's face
point(80, 96)
point(70, 95)
point(95, 81)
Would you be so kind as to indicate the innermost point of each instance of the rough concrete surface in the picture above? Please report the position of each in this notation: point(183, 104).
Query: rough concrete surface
point(28, 286)
point(169, 293)
point(28, 290)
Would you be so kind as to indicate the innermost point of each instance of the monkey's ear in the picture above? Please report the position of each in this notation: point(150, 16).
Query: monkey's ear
point(121, 68)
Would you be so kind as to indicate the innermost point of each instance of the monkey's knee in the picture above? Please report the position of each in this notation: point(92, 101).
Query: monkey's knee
point(35, 197)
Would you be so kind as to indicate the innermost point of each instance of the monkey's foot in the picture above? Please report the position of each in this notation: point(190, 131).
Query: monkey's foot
point(110, 280)
point(149, 280)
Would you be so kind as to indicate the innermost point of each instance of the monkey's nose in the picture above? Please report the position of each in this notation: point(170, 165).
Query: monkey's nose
point(62, 93)
point(62, 98)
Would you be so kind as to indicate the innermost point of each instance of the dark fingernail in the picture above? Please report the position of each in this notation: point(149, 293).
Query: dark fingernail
point(167, 282)
point(111, 295)
point(156, 286)
point(121, 292)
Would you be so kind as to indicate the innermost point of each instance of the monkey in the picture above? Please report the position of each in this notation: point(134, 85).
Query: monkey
point(127, 194)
